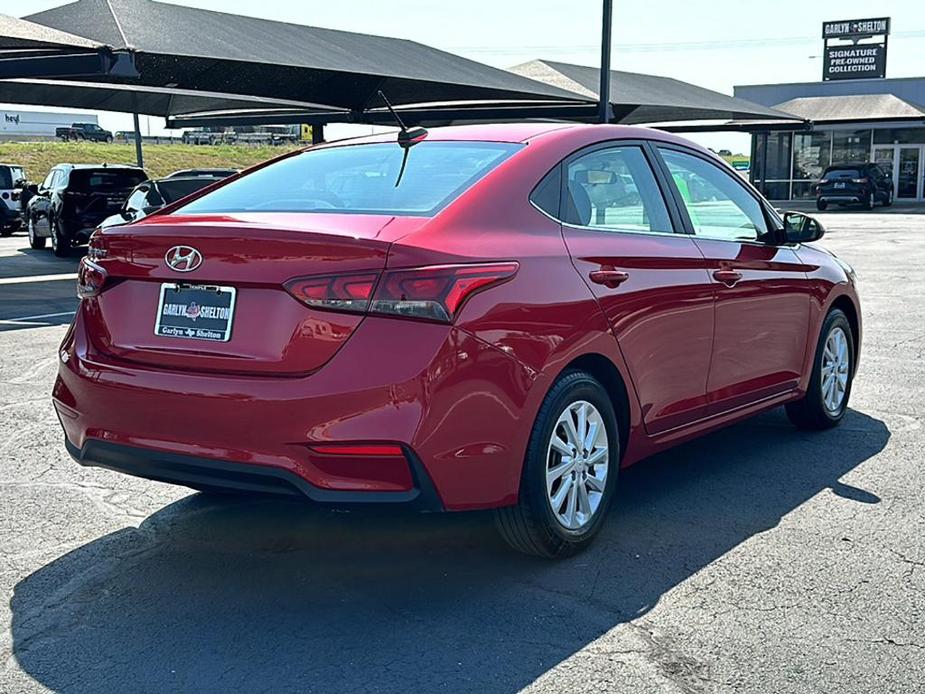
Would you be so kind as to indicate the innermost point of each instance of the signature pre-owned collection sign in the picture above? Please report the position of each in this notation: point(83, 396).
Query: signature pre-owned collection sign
point(854, 62)
point(849, 59)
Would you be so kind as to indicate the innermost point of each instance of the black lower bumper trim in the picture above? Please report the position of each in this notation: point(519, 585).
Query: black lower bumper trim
point(204, 473)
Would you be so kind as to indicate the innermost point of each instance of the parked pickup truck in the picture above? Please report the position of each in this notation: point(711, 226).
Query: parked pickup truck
point(83, 131)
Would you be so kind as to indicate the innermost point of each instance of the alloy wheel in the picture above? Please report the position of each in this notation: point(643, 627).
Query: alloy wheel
point(577, 462)
point(835, 369)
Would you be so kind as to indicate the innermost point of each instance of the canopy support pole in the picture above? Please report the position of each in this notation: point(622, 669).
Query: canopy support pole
point(139, 154)
point(318, 134)
point(604, 113)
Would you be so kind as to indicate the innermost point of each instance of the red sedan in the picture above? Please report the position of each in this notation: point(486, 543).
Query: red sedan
point(483, 317)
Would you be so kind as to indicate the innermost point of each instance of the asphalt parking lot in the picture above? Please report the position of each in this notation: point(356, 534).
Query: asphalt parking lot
point(758, 559)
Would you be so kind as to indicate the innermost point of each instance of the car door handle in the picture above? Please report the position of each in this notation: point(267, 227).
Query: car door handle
point(609, 278)
point(727, 277)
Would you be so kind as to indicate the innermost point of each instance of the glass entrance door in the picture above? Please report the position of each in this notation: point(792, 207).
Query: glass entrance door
point(908, 175)
point(906, 164)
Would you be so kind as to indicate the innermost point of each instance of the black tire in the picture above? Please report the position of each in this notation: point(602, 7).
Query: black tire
point(810, 412)
point(60, 243)
point(821, 205)
point(36, 242)
point(889, 198)
point(109, 139)
point(6, 231)
point(530, 526)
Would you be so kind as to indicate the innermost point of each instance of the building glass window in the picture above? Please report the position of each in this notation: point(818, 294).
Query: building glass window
point(811, 154)
point(899, 136)
point(850, 146)
point(777, 185)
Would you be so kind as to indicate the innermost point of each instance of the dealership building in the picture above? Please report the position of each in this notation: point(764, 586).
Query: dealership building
point(855, 114)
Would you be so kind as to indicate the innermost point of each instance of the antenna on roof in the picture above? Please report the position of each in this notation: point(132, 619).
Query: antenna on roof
point(407, 137)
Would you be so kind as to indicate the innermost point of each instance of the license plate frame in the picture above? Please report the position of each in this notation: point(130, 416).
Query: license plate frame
point(181, 323)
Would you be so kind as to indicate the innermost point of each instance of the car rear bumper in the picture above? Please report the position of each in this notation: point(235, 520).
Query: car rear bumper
point(206, 473)
point(453, 403)
point(9, 216)
point(839, 198)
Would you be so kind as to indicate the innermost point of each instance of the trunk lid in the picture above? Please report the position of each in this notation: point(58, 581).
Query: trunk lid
point(271, 332)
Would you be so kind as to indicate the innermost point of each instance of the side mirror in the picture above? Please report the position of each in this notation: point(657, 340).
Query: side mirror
point(801, 228)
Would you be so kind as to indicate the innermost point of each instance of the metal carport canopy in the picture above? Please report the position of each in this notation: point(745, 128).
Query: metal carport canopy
point(152, 101)
point(29, 50)
point(195, 49)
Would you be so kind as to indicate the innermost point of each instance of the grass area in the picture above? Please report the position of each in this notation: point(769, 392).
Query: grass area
point(38, 157)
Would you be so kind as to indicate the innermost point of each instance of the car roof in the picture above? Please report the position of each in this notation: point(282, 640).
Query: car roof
point(851, 165)
point(116, 167)
point(522, 133)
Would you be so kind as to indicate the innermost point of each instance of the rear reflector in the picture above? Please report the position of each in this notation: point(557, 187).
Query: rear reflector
point(360, 450)
point(435, 292)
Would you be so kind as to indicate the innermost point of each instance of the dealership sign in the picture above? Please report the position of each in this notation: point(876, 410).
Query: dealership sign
point(856, 28)
point(854, 62)
point(858, 49)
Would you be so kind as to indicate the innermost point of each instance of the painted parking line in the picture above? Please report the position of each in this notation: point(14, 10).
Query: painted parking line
point(38, 278)
point(34, 320)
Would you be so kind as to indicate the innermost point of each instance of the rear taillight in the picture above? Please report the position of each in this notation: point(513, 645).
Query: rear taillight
point(434, 292)
point(349, 293)
point(90, 279)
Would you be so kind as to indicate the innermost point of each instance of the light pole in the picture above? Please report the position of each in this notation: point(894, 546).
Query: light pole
point(604, 112)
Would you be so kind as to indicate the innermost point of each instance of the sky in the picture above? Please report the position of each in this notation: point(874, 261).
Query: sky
point(712, 43)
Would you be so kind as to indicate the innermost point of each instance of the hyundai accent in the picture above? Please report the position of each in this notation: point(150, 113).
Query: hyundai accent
point(481, 317)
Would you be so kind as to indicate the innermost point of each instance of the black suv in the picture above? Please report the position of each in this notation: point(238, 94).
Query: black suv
point(152, 195)
point(74, 198)
point(854, 184)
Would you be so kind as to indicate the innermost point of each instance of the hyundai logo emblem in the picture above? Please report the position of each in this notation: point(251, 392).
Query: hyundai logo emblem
point(183, 258)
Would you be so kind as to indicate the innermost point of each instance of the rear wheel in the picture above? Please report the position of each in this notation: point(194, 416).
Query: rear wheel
point(569, 473)
point(60, 243)
point(826, 399)
point(6, 231)
point(889, 198)
point(36, 242)
point(821, 205)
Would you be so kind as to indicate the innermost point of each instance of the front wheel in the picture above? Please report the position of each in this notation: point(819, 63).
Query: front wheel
point(826, 399)
point(569, 472)
point(889, 198)
point(871, 201)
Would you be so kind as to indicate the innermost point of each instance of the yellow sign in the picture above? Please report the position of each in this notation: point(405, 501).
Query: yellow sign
point(306, 135)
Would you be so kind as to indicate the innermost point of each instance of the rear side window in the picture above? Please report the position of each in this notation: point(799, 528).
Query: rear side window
point(105, 179)
point(360, 179)
point(172, 189)
point(9, 175)
point(614, 189)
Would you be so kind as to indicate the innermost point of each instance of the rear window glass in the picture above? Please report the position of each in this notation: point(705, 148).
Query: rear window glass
point(9, 175)
point(105, 179)
point(843, 173)
point(360, 179)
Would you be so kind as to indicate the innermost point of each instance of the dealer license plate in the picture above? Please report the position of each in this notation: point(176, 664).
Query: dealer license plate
point(195, 312)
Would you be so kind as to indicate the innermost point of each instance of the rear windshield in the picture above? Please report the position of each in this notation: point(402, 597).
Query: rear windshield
point(105, 179)
point(360, 179)
point(843, 173)
point(9, 175)
point(172, 189)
